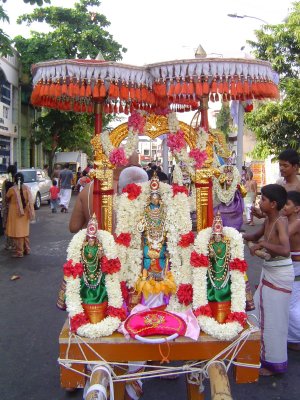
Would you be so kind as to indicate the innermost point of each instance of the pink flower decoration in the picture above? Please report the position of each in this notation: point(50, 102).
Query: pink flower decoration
point(117, 157)
point(176, 141)
point(137, 122)
point(199, 157)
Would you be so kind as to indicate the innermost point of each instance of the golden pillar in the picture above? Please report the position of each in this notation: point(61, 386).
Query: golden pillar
point(103, 172)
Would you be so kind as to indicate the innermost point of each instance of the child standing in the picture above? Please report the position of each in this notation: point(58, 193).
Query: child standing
point(292, 211)
point(250, 198)
point(272, 296)
point(54, 196)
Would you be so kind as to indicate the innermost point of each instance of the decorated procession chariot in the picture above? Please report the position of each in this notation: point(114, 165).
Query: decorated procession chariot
point(140, 283)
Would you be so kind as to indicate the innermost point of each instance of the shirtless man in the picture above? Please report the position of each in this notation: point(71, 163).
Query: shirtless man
point(292, 211)
point(272, 298)
point(289, 162)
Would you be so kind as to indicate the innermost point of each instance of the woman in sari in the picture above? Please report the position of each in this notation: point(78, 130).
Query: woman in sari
point(20, 213)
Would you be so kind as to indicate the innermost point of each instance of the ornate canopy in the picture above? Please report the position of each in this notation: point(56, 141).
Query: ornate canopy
point(75, 85)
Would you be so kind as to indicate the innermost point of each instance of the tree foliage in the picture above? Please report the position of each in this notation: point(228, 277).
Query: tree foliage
point(76, 32)
point(5, 40)
point(277, 124)
point(224, 119)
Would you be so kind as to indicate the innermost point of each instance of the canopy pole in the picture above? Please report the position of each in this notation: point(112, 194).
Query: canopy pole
point(97, 201)
point(203, 183)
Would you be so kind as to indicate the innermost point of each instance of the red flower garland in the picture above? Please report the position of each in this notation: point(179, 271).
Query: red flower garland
point(239, 317)
point(116, 312)
point(185, 293)
point(179, 189)
point(132, 190)
point(125, 291)
point(203, 310)
point(186, 239)
point(73, 270)
point(124, 239)
point(110, 266)
point(238, 265)
point(198, 260)
point(77, 321)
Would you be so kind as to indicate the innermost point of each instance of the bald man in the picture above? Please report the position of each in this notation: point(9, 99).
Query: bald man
point(83, 209)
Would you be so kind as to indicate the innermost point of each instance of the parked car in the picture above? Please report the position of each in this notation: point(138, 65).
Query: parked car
point(39, 183)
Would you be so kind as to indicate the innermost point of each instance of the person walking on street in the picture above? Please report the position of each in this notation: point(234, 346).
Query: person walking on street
point(6, 185)
point(54, 196)
point(20, 213)
point(65, 184)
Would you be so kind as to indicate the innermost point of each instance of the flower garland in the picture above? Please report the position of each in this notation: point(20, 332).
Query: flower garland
point(237, 318)
point(120, 155)
point(226, 195)
point(130, 209)
point(176, 142)
point(73, 270)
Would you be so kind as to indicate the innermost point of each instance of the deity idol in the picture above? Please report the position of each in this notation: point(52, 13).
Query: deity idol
point(218, 283)
point(156, 282)
point(92, 285)
point(229, 193)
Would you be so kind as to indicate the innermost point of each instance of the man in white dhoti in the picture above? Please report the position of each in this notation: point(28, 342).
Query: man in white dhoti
point(65, 184)
point(272, 297)
point(292, 212)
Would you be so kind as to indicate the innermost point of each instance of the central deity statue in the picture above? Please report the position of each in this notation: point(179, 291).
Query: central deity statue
point(156, 282)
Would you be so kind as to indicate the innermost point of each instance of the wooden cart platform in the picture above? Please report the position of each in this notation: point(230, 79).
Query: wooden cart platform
point(116, 348)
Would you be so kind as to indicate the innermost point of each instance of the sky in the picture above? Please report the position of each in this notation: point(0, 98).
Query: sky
point(162, 30)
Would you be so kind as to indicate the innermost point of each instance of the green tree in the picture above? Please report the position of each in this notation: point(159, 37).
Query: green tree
point(75, 33)
point(224, 119)
point(5, 40)
point(277, 124)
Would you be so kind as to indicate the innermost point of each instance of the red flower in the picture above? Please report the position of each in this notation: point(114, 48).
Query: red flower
point(110, 266)
point(203, 310)
point(124, 239)
point(124, 290)
point(77, 321)
point(239, 317)
point(116, 312)
point(199, 260)
point(186, 240)
point(185, 293)
point(238, 265)
point(179, 189)
point(73, 270)
point(132, 190)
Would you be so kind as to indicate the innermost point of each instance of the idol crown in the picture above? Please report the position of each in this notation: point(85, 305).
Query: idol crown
point(92, 227)
point(154, 184)
point(217, 227)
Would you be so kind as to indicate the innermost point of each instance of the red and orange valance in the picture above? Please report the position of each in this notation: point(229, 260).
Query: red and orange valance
point(75, 85)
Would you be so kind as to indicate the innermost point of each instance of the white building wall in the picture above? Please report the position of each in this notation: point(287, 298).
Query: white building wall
point(9, 109)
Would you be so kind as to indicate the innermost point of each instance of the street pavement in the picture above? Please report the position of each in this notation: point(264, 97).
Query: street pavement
point(30, 325)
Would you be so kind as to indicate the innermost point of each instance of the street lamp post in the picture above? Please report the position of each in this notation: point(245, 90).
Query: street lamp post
point(246, 16)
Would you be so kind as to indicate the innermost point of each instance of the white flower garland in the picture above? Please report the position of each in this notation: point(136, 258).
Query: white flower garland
point(178, 222)
point(228, 330)
point(73, 300)
point(226, 195)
